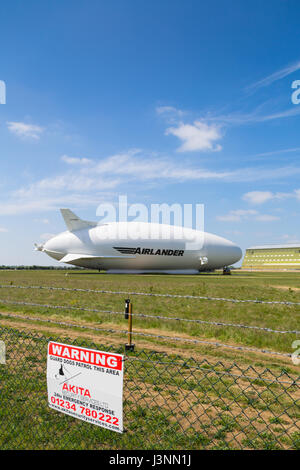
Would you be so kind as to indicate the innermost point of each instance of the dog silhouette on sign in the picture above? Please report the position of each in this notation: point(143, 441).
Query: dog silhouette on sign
point(62, 373)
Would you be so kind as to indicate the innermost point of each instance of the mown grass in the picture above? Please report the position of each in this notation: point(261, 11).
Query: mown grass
point(169, 403)
point(241, 285)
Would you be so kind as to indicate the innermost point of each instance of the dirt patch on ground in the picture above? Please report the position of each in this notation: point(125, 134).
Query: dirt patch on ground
point(214, 408)
point(296, 289)
point(210, 413)
point(207, 352)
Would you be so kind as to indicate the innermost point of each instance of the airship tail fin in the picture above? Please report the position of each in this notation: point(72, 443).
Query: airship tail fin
point(73, 222)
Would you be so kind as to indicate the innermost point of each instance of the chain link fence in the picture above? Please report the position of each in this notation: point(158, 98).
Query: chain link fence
point(169, 403)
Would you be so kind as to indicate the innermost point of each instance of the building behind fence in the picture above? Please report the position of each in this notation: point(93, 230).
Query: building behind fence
point(169, 403)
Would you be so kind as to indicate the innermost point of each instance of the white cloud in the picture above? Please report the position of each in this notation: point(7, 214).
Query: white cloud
point(75, 161)
point(244, 212)
point(264, 173)
point(236, 215)
point(278, 75)
point(228, 218)
point(46, 203)
point(3, 230)
point(136, 165)
point(256, 116)
point(198, 136)
point(169, 110)
point(260, 197)
point(148, 168)
point(170, 114)
point(267, 218)
point(281, 114)
point(85, 185)
point(24, 130)
point(277, 152)
point(240, 215)
point(69, 181)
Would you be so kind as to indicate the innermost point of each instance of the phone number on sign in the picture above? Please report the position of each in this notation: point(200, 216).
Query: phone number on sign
point(105, 418)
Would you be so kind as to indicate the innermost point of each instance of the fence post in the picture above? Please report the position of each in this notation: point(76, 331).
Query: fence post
point(128, 315)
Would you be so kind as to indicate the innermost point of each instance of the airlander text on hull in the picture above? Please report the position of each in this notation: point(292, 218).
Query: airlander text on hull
point(155, 247)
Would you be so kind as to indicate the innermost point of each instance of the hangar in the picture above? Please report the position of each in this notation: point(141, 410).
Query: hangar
point(273, 257)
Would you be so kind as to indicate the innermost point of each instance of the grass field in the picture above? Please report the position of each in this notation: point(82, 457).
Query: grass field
point(282, 286)
point(169, 403)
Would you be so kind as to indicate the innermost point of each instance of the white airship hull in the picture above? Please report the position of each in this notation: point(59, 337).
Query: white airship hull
point(139, 247)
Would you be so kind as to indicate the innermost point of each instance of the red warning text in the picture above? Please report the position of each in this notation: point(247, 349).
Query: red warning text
point(87, 356)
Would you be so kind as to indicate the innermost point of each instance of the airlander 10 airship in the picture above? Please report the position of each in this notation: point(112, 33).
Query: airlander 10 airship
point(139, 247)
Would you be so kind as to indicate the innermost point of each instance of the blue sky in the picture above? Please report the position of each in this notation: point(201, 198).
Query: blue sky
point(165, 101)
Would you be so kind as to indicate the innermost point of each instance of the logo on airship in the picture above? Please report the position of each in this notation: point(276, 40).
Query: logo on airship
point(148, 251)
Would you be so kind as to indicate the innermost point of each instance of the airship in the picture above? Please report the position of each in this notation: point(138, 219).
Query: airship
point(139, 247)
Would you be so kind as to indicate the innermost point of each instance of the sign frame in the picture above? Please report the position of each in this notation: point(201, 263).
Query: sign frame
point(86, 384)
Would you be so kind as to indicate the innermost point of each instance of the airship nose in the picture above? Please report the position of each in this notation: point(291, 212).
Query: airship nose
point(231, 252)
point(222, 252)
point(51, 244)
point(235, 254)
point(53, 247)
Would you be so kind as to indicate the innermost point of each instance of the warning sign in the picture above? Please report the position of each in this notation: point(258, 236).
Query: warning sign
point(86, 384)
